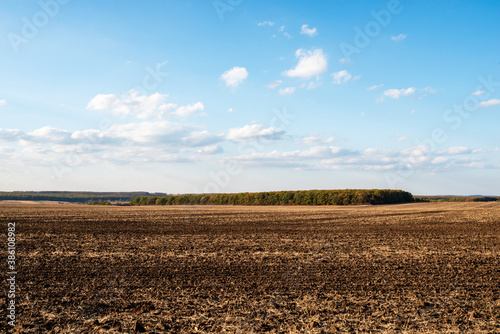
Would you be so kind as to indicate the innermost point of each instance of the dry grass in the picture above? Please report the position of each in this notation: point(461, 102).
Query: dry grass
point(427, 268)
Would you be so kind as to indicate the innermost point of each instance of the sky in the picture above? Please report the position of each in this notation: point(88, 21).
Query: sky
point(235, 95)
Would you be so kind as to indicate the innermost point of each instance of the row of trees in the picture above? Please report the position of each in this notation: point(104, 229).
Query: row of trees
point(456, 199)
point(73, 196)
point(100, 203)
point(303, 197)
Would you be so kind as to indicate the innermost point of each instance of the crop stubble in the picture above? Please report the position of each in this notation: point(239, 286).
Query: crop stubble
point(413, 267)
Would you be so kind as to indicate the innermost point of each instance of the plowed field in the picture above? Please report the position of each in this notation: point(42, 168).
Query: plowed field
point(429, 267)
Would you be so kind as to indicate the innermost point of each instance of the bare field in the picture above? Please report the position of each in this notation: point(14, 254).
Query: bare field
point(429, 267)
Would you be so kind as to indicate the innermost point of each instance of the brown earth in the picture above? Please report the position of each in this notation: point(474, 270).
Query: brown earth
point(429, 267)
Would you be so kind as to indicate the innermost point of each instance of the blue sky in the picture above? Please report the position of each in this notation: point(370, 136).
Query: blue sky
point(238, 95)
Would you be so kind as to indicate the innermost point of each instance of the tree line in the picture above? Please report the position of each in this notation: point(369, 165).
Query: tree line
point(73, 196)
point(301, 197)
point(456, 199)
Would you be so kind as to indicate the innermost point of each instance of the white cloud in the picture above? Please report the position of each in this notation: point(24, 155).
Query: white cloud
point(489, 103)
point(102, 102)
point(344, 61)
point(9, 135)
point(234, 76)
point(160, 65)
point(374, 87)
point(184, 111)
point(317, 152)
point(3, 102)
point(429, 90)
point(323, 152)
point(419, 150)
point(397, 93)
point(149, 132)
point(373, 151)
point(343, 77)
point(48, 134)
point(439, 160)
point(141, 106)
point(402, 138)
point(274, 84)
point(287, 91)
point(265, 23)
point(230, 110)
point(459, 150)
point(254, 132)
point(159, 136)
point(317, 139)
point(312, 85)
point(305, 30)
point(478, 92)
point(92, 136)
point(311, 62)
point(211, 149)
point(200, 138)
point(399, 37)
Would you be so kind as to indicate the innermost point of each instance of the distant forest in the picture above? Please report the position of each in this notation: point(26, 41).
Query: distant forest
point(302, 197)
point(456, 199)
point(73, 196)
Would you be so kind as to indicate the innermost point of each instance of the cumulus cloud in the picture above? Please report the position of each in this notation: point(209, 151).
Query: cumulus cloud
point(149, 132)
point(48, 134)
point(235, 76)
point(317, 139)
point(142, 106)
point(254, 132)
point(478, 92)
point(343, 77)
point(439, 160)
point(312, 85)
point(10, 135)
point(459, 150)
point(399, 37)
point(184, 111)
point(287, 91)
point(395, 94)
point(3, 102)
point(375, 87)
point(324, 152)
point(402, 138)
point(211, 149)
point(286, 34)
point(311, 62)
point(318, 152)
point(305, 30)
point(489, 103)
point(265, 23)
point(200, 138)
point(274, 84)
